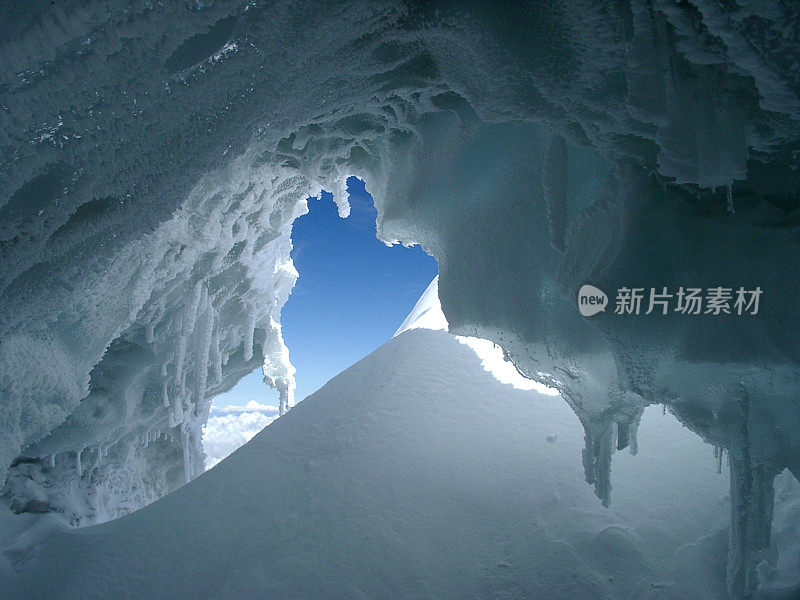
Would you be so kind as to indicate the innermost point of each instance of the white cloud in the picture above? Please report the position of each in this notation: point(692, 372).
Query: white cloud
point(230, 427)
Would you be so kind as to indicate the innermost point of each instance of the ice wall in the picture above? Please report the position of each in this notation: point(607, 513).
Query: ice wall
point(154, 157)
point(187, 310)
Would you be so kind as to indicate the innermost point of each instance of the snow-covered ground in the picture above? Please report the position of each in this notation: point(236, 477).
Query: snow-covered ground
point(414, 474)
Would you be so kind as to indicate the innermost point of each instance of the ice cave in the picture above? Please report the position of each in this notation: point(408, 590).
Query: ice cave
point(595, 398)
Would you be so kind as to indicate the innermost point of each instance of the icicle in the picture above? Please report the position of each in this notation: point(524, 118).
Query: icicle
point(149, 332)
point(186, 327)
point(730, 200)
point(248, 334)
point(179, 357)
point(285, 395)
point(215, 358)
point(187, 467)
point(184, 394)
point(177, 411)
point(190, 314)
point(165, 393)
point(203, 352)
point(187, 474)
point(633, 434)
point(623, 431)
point(277, 368)
point(78, 467)
point(599, 440)
point(752, 501)
point(52, 461)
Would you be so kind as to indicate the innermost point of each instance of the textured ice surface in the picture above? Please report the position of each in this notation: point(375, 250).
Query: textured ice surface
point(414, 473)
point(154, 156)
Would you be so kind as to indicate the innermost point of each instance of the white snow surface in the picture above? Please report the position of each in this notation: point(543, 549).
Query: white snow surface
point(427, 314)
point(413, 474)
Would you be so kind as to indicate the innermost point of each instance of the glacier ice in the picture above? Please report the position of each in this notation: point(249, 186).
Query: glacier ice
point(154, 157)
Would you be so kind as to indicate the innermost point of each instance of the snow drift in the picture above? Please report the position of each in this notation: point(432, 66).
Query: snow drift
point(154, 157)
point(414, 474)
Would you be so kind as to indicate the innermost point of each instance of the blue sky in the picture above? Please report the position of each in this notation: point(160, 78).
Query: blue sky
point(352, 294)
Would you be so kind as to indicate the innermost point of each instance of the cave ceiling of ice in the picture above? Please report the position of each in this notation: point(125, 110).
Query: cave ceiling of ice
point(154, 155)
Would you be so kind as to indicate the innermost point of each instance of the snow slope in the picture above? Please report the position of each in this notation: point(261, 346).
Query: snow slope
point(409, 476)
point(427, 312)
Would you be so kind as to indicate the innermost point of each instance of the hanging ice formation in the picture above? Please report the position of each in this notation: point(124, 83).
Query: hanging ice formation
point(155, 155)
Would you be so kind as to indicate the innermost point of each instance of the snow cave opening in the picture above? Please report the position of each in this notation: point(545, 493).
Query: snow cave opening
point(351, 294)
